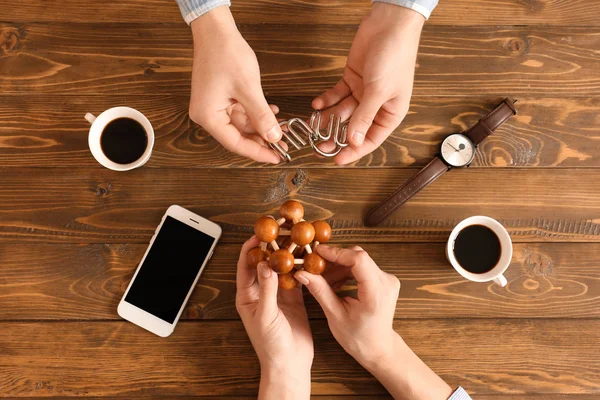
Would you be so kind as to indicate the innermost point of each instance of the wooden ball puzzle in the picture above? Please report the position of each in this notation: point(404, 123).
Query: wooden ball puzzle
point(292, 240)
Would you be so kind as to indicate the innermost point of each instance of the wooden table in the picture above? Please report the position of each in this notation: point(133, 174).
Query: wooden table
point(72, 232)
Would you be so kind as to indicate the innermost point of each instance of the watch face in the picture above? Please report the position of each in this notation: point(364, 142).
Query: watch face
point(457, 150)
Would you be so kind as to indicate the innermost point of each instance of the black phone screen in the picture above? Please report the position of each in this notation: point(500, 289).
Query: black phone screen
point(169, 269)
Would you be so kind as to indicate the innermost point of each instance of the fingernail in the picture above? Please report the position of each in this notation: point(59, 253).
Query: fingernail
point(358, 137)
point(274, 134)
point(301, 278)
point(264, 269)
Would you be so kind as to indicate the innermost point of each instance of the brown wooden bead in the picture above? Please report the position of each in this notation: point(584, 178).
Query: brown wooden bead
point(314, 263)
point(281, 261)
point(287, 281)
point(291, 210)
point(322, 231)
point(266, 229)
point(255, 256)
point(303, 233)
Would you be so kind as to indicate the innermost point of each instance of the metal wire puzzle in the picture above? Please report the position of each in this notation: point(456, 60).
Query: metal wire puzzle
point(298, 133)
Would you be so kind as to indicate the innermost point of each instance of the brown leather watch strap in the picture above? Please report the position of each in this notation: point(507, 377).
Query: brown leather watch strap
point(488, 124)
point(423, 178)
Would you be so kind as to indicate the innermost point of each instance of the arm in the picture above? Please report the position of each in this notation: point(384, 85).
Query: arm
point(277, 325)
point(283, 385)
point(226, 96)
point(364, 326)
point(409, 378)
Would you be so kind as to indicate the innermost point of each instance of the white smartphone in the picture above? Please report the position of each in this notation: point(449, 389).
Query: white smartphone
point(163, 282)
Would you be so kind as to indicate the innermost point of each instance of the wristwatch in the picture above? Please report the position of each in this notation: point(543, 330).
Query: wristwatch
point(457, 150)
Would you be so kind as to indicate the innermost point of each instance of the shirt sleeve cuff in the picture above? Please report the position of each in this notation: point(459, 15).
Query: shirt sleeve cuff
point(192, 9)
point(460, 394)
point(424, 7)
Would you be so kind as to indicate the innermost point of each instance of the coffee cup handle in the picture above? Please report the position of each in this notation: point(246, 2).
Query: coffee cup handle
point(500, 280)
point(90, 118)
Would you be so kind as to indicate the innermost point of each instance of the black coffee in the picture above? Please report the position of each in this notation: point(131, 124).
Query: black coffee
point(477, 249)
point(124, 140)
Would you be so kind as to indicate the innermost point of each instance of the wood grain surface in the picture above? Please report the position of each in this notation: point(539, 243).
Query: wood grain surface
point(86, 282)
point(72, 232)
point(343, 397)
point(49, 131)
point(456, 12)
point(117, 358)
point(98, 205)
point(75, 58)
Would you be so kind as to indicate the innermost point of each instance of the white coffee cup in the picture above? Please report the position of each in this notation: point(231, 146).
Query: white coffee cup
point(495, 274)
point(98, 125)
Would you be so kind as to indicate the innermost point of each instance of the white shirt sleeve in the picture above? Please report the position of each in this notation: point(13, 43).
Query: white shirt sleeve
point(460, 394)
point(424, 7)
point(192, 9)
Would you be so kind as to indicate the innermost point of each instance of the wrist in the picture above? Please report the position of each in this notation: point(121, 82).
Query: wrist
point(376, 350)
point(387, 356)
point(405, 375)
point(284, 383)
point(216, 22)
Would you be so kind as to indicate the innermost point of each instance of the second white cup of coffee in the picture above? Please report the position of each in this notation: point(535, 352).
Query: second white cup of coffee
point(99, 125)
point(495, 273)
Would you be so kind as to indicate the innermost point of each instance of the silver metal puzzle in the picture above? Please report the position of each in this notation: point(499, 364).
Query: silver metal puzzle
point(298, 133)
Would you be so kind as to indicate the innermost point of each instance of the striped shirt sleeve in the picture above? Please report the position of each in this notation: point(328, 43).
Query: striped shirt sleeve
point(192, 9)
point(424, 7)
point(460, 394)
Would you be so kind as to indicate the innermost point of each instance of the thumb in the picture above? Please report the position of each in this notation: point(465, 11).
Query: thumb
point(322, 292)
point(267, 290)
point(363, 116)
point(261, 116)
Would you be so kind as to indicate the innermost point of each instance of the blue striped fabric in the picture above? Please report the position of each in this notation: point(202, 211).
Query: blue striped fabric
point(192, 9)
point(424, 7)
point(460, 394)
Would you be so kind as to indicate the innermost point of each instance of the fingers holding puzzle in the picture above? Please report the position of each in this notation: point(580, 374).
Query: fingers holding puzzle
point(277, 322)
point(302, 238)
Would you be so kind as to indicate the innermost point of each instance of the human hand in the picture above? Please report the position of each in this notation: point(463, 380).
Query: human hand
point(277, 324)
point(362, 326)
point(377, 81)
point(227, 98)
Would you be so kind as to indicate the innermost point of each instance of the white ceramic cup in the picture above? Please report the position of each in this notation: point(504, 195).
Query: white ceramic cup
point(495, 274)
point(98, 125)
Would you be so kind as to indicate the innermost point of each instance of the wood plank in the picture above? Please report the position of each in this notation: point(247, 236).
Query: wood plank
point(458, 12)
point(48, 130)
point(142, 59)
point(86, 282)
point(216, 358)
point(103, 206)
point(314, 397)
point(342, 397)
